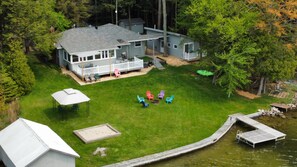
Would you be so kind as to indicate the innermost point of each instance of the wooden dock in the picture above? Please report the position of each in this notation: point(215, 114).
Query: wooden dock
point(262, 133)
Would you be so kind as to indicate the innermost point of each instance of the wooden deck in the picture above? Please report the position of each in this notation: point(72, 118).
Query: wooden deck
point(281, 106)
point(262, 133)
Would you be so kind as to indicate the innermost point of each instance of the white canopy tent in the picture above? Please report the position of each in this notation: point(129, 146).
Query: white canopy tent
point(70, 97)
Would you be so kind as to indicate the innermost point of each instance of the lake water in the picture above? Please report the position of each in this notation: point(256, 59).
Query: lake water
point(229, 153)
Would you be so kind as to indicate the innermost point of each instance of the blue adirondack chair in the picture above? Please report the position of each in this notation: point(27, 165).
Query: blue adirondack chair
point(144, 104)
point(169, 99)
point(140, 99)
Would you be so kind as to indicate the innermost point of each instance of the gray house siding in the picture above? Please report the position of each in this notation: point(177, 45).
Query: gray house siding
point(53, 159)
point(175, 43)
point(138, 51)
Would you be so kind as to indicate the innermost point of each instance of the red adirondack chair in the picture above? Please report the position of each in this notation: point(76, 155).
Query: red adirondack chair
point(149, 95)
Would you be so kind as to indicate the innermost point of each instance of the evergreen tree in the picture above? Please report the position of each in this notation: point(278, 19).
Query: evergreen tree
point(8, 88)
point(78, 12)
point(17, 67)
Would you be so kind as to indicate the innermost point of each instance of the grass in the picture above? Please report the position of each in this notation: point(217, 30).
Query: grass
point(198, 110)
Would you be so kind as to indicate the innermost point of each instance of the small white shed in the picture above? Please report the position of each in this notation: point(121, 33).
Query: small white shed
point(30, 144)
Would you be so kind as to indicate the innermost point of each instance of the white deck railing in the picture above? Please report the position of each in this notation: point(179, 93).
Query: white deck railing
point(137, 64)
point(190, 56)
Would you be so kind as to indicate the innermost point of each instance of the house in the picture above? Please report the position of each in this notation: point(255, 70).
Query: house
point(177, 44)
point(136, 24)
point(30, 144)
point(100, 50)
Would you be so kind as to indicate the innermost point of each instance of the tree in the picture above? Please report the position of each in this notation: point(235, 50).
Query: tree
point(29, 22)
point(277, 37)
point(127, 5)
point(17, 67)
point(8, 88)
point(159, 14)
point(78, 12)
point(233, 69)
point(223, 28)
point(165, 26)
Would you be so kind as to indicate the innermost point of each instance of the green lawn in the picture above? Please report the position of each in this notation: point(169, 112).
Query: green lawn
point(198, 110)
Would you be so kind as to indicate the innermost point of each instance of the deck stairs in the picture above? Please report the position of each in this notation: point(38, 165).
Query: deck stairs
point(158, 64)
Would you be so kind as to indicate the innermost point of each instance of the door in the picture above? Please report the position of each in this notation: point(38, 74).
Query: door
point(188, 50)
point(162, 46)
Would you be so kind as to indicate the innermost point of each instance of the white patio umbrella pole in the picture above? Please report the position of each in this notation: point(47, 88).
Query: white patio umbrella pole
point(109, 64)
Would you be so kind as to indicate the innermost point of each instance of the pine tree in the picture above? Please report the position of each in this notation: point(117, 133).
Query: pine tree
point(8, 88)
point(17, 67)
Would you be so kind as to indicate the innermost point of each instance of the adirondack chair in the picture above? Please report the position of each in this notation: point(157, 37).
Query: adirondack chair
point(92, 77)
point(87, 78)
point(169, 99)
point(149, 95)
point(117, 73)
point(140, 99)
point(144, 104)
point(161, 94)
point(97, 77)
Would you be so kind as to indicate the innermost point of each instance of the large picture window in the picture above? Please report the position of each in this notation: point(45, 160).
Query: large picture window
point(74, 58)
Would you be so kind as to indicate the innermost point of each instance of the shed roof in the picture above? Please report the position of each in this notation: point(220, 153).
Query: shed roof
point(70, 96)
point(25, 141)
point(107, 36)
point(133, 21)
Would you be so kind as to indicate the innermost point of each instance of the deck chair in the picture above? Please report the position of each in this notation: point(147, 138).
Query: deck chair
point(140, 99)
point(117, 73)
point(149, 95)
point(169, 99)
point(87, 78)
point(92, 77)
point(97, 77)
point(144, 104)
point(161, 94)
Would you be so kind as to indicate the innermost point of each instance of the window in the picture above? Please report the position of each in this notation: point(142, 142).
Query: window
point(137, 44)
point(90, 57)
point(65, 55)
point(168, 44)
point(74, 58)
point(68, 57)
point(98, 56)
point(104, 54)
point(111, 53)
point(175, 46)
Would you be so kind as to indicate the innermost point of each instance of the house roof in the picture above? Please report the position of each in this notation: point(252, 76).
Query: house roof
point(88, 39)
point(25, 141)
point(70, 96)
point(157, 31)
point(133, 21)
